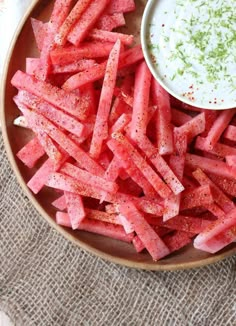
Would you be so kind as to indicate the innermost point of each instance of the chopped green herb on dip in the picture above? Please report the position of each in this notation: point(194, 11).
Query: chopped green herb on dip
point(192, 45)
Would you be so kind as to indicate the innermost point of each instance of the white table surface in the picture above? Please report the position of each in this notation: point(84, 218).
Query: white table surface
point(10, 10)
point(4, 320)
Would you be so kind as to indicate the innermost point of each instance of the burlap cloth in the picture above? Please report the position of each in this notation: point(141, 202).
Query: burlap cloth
point(45, 280)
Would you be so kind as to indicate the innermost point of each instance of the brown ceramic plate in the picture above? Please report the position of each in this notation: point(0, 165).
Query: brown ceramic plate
point(23, 46)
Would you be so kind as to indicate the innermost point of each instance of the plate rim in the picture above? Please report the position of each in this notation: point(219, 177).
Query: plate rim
point(158, 266)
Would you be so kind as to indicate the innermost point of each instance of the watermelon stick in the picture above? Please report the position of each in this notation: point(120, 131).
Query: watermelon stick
point(88, 50)
point(120, 6)
point(110, 21)
point(32, 65)
point(148, 236)
point(153, 178)
point(39, 30)
point(87, 20)
point(163, 119)
point(45, 141)
point(99, 227)
point(193, 127)
point(101, 124)
point(60, 12)
point(127, 58)
point(219, 241)
point(178, 118)
point(68, 102)
point(218, 127)
point(181, 222)
point(227, 185)
point(220, 150)
point(131, 168)
point(68, 183)
point(50, 148)
point(60, 203)
point(177, 240)
point(220, 197)
point(40, 178)
point(160, 164)
point(50, 112)
point(173, 241)
point(177, 163)
point(70, 21)
point(89, 179)
point(230, 133)
point(212, 166)
point(111, 173)
point(31, 152)
point(138, 245)
point(197, 197)
point(75, 208)
point(142, 85)
point(230, 160)
point(102, 216)
point(120, 123)
point(215, 228)
point(66, 143)
point(106, 36)
point(172, 203)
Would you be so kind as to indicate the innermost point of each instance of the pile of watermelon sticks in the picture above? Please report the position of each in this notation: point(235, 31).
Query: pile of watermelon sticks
point(126, 159)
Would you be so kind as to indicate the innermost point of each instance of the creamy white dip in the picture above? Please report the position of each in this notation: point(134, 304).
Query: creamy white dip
point(190, 46)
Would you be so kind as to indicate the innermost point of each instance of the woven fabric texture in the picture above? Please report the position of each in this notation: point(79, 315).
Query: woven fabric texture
point(45, 280)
